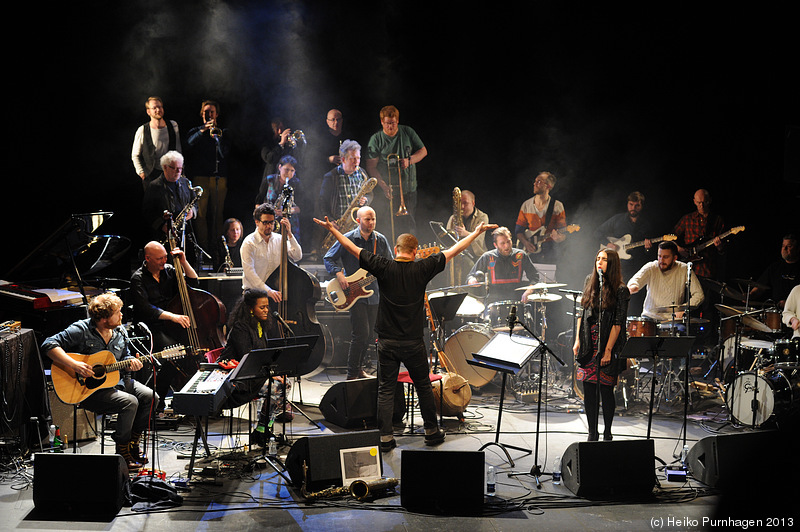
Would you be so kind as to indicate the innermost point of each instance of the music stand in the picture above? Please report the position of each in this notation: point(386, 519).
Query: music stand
point(664, 347)
point(444, 308)
point(506, 354)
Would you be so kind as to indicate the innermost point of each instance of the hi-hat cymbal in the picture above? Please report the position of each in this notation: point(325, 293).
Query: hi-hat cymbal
point(670, 308)
point(542, 286)
point(543, 298)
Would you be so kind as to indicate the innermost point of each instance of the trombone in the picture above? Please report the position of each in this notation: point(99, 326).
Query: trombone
point(401, 211)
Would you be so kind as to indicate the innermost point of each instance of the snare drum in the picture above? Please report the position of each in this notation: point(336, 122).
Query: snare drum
point(749, 351)
point(641, 326)
point(470, 309)
point(458, 349)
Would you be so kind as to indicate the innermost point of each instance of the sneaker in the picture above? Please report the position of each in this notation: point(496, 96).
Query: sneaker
point(387, 446)
point(436, 438)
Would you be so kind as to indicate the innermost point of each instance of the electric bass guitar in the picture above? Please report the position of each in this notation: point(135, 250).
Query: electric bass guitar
point(624, 244)
point(344, 298)
point(541, 234)
point(73, 389)
point(694, 251)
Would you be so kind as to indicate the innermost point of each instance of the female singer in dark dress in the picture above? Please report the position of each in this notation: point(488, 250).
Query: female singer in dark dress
point(601, 336)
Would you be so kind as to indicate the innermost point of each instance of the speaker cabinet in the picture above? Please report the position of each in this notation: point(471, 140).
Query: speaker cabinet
point(442, 482)
point(94, 485)
point(63, 415)
point(717, 461)
point(321, 457)
point(351, 404)
point(609, 469)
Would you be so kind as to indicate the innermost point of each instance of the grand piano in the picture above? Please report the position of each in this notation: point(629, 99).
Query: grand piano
point(47, 289)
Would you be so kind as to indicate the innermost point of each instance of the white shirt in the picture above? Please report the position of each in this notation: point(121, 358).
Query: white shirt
point(791, 309)
point(260, 258)
point(665, 288)
point(160, 141)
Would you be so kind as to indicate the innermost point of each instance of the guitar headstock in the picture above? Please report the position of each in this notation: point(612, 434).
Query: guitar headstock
point(427, 251)
point(737, 229)
point(669, 238)
point(176, 351)
point(572, 228)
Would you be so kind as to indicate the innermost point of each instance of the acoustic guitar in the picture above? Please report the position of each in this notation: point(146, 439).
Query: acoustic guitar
point(72, 389)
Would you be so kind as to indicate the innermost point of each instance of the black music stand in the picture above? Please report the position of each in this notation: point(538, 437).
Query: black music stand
point(444, 308)
point(288, 365)
point(506, 354)
point(664, 347)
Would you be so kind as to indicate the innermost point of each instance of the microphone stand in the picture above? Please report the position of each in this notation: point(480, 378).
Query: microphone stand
point(573, 295)
point(536, 470)
point(599, 354)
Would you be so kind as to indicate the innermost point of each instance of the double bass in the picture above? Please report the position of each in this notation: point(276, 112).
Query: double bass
point(300, 292)
point(207, 313)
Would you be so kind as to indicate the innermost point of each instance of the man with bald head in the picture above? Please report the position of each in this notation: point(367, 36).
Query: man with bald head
point(153, 286)
point(363, 313)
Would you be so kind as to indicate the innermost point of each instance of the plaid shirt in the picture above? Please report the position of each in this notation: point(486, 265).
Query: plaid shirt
point(694, 229)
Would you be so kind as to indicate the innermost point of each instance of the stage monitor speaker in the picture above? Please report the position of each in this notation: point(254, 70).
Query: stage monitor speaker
point(717, 461)
point(351, 404)
point(610, 469)
point(321, 456)
point(442, 482)
point(93, 485)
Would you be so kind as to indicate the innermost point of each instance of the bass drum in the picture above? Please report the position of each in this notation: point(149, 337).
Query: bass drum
point(775, 393)
point(458, 349)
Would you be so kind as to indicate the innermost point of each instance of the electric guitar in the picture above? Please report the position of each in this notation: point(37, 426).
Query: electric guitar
point(72, 389)
point(624, 244)
point(694, 251)
point(541, 234)
point(344, 298)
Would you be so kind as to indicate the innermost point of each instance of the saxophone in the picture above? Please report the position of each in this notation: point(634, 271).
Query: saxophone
point(458, 215)
point(180, 220)
point(359, 489)
point(348, 220)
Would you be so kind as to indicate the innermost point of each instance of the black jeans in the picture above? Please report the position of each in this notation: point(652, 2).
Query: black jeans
point(362, 324)
point(414, 356)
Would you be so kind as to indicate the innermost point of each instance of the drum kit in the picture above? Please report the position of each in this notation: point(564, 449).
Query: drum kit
point(478, 322)
point(761, 367)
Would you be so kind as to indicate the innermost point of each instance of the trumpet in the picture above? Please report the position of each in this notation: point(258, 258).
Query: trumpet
point(401, 210)
point(296, 137)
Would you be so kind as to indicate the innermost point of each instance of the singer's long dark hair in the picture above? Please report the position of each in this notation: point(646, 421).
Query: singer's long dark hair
point(612, 280)
point(242, 311)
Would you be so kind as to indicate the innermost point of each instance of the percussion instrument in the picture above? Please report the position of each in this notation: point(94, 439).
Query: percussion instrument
point(459, 348)
point(750, 349)
point(772, 319)
point(786, 353)
point(497, 313)
point(771, 394)
point(641, 326)
point(457, 394)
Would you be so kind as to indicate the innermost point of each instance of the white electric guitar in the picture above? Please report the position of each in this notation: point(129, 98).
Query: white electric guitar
point(624, 244)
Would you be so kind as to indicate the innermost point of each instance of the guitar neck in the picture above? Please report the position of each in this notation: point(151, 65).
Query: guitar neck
point(640, 243)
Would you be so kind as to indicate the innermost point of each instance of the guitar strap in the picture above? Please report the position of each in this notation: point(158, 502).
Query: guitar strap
point(549, 214)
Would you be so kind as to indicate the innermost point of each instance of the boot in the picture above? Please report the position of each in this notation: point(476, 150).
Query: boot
point(124, 450)
point(136, 452)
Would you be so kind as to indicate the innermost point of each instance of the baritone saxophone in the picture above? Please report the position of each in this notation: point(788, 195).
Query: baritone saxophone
point(348, 218)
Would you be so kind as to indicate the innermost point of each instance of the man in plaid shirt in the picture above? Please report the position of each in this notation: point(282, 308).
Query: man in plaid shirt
point(696, 228)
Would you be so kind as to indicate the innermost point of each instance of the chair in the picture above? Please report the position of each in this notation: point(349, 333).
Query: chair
point(214, 354)
point(404, 378)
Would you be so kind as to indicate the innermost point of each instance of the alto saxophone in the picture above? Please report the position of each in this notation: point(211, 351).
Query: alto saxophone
point(180, 220)
point(348, 220)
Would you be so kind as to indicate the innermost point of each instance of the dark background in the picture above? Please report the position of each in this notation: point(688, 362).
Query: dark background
point(610, 99)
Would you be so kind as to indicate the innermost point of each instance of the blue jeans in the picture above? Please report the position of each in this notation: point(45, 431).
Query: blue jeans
point(414, 356)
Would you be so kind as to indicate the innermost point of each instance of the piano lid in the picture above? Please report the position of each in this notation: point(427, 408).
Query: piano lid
point(73, 240)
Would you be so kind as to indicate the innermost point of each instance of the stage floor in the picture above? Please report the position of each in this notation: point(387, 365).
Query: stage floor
point(238, 490)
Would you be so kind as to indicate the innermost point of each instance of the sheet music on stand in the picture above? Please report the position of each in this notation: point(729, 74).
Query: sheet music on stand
point(508, 353)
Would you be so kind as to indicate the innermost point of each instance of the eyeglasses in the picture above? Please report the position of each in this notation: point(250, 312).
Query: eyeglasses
point(267, 222)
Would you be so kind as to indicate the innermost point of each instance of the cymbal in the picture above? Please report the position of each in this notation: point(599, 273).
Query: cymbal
point(543, 298)
point(755, 324)
point(670, 308)
point(517, 329)
point(725, 290)
point(728, 311)
point(751, 283)
point(679, 322)
point(542, 286)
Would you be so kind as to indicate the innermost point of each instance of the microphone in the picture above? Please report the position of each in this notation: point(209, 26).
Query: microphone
point(512, 319)
point(600, 275)
point(278, 317)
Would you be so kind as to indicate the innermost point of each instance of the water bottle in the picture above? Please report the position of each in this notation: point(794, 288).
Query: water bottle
point(684, 456)
point(52, 436)
point(491, 481)
point(272, 450)
point(557, 470)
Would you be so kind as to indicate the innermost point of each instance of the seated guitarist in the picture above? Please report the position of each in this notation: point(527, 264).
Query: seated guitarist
point(545, 215)
point(364, 312)
point(130, 400)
